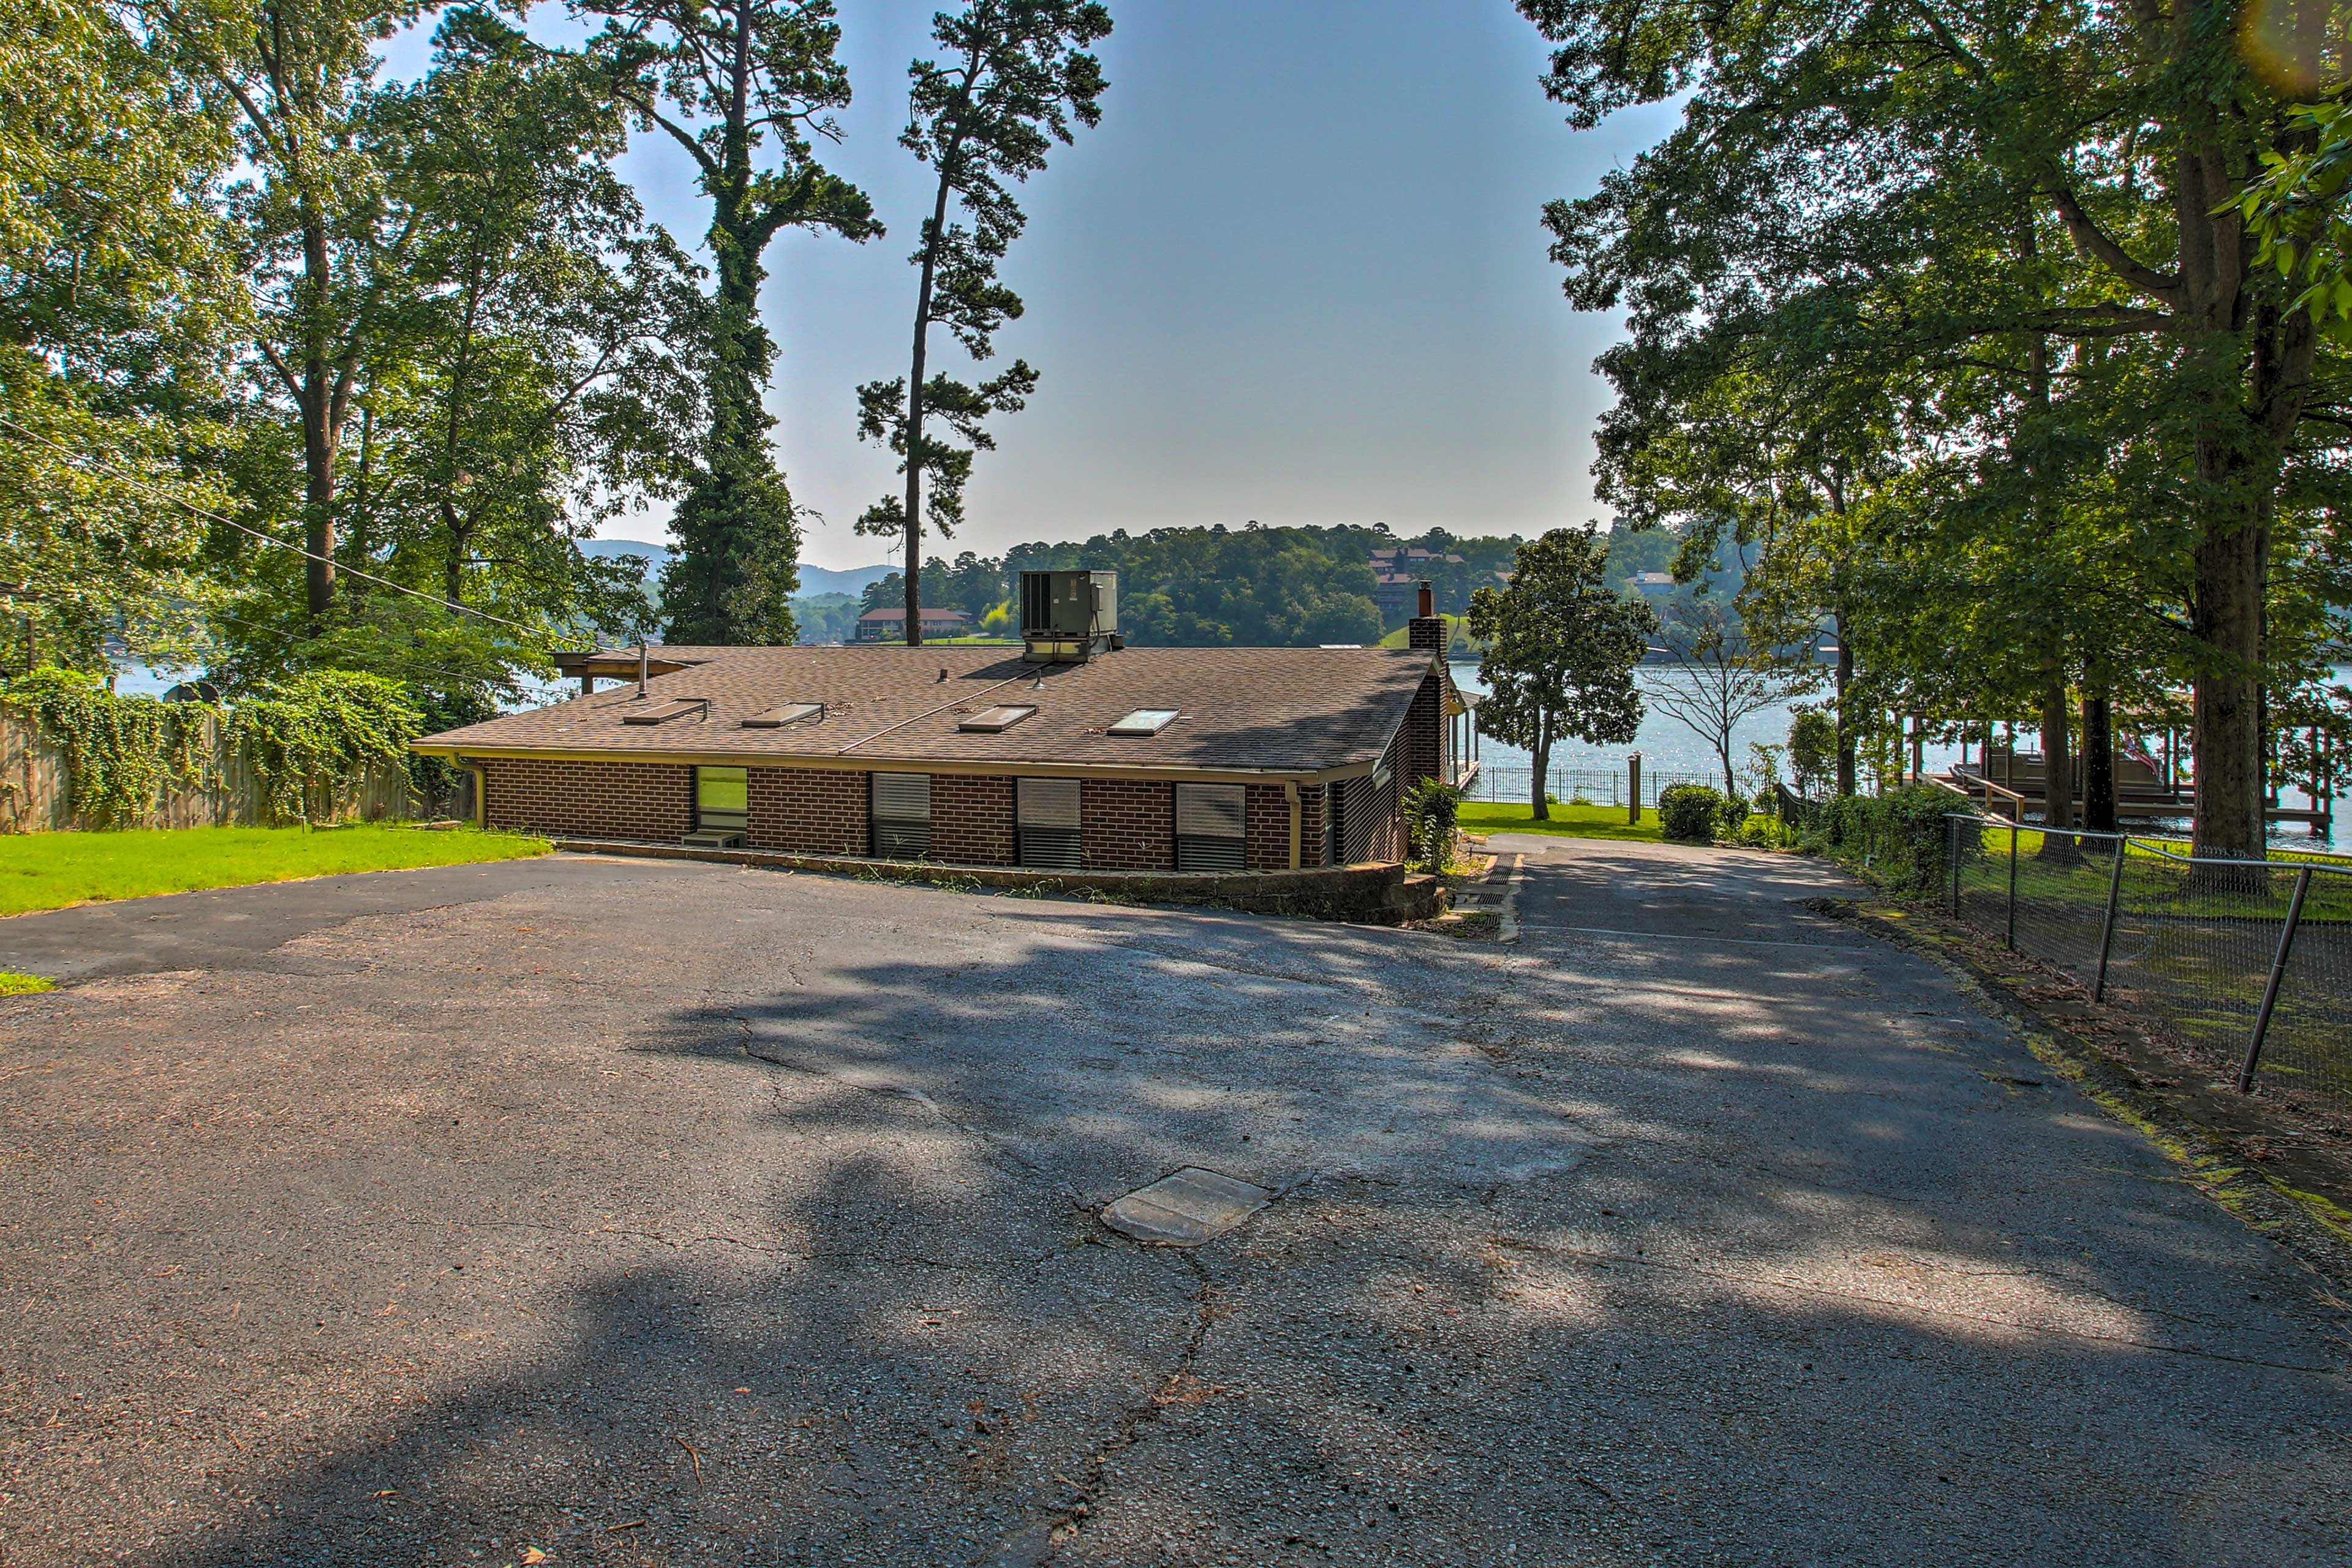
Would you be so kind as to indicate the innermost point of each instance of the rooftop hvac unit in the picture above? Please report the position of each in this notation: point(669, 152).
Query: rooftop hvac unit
point(1069, 616)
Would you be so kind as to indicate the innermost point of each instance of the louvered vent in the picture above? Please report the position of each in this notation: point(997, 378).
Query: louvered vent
point(902, 816)
point(1211, 821)
point(1047, 814)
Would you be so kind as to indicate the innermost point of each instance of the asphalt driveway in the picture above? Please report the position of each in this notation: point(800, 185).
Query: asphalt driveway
point(662, 1213)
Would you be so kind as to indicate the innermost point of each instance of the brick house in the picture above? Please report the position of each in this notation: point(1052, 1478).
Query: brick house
point(1142, 759)
point(888, 623)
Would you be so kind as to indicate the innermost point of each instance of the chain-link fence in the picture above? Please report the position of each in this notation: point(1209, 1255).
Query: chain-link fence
point(1591, 787)
point(2247, 961)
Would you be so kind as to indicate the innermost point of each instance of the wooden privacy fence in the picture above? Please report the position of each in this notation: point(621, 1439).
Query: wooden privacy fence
point(37, 789)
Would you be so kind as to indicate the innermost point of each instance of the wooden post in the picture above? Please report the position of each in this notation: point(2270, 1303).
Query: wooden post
point(1633, 773)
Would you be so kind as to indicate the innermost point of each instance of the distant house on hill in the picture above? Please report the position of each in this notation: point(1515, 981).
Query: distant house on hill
point(890, 625)
point(1399, 571)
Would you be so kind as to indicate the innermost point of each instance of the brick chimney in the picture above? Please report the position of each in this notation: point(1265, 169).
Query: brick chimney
point(1426, 630)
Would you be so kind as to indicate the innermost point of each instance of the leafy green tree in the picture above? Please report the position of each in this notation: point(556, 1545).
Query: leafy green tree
point(118, 296)
point(825, 617)
point(743, 86)
point(1017, 75)
point(1826, 146)
point(1813, 751)
point(1207, 587)
point(527, 390)
point(518, 387)
point(1561, 647)
point(320, 240)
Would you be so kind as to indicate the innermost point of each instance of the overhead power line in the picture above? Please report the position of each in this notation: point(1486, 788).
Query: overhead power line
point(82, 461)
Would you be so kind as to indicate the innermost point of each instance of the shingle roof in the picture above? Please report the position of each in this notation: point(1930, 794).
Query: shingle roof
point(1283, 709)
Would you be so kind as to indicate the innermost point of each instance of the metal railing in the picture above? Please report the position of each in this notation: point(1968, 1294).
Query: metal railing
point(1597, 786)
point(2248, 963)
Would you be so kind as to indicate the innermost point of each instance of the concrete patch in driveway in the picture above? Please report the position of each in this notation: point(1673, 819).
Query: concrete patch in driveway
point(1186, 1209)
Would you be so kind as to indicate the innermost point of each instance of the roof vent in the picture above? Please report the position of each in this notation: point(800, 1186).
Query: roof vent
point(1068, 618)
point(1145, 722)
point(997, 720)
point(790, 713)
point(662, 712)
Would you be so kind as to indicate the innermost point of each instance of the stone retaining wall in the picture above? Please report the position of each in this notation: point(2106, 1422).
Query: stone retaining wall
point(1381, 894)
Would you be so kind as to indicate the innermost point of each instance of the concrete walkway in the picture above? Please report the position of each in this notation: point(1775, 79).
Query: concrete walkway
point(659, 1212)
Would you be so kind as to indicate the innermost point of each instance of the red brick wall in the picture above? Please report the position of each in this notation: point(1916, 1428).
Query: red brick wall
point(808, 811)
point(971, 820)
point(591, 800)
point(1310, 826)
point(1422, 742)
point(1267, 830)
point(1126, 825)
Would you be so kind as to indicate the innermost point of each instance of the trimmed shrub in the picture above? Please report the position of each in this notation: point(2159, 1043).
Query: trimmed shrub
point(1900, 838)
point(1689, 814)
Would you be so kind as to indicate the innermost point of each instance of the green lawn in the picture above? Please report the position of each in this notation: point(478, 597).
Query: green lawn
point(1566, 821)
point(52, 870)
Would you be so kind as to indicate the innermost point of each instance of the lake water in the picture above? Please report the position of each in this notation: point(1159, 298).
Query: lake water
point(1673, 754)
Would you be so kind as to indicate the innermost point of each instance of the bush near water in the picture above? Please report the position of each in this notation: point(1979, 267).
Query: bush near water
point(1690, 814)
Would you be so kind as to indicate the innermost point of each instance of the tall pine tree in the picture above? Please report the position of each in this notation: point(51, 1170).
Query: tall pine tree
point(744, 85)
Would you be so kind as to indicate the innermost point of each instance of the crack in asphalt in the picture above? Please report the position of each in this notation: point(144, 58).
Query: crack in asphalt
point(1035, 1544)
point(995, 1146)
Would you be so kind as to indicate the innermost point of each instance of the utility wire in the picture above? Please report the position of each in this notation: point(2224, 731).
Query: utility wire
point(408, 667)
point(80, 461)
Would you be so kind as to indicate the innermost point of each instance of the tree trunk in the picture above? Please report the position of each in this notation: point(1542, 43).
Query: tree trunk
point(453, 566)
point(2098, 757)
point(2057, 765)
point(318, 427)
point(932, 237)
point(1541, 803)
point(2227, 736)
point(1845, 738)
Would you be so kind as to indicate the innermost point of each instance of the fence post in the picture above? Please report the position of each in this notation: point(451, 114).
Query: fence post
point(2271, 990)
point(2107, 927)
point(1952, 848)
point(2011, 937)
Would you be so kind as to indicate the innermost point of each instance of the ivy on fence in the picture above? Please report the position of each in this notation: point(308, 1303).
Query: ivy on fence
point(307, 740)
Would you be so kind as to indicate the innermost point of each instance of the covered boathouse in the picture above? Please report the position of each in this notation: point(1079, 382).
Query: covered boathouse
point(1069, 753)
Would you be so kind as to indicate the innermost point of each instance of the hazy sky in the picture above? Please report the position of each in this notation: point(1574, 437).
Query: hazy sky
point(1298, 274)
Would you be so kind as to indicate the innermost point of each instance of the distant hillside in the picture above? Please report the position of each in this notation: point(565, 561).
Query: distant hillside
point(825, 580)
point(612, 549)
point(813, 579)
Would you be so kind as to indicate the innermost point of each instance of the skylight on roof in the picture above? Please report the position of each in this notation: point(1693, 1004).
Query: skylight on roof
point(790, 713)
point(997, 720)
point(662, 712)
point(1145, 722)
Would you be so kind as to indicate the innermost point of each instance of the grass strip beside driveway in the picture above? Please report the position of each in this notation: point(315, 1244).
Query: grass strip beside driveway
point(1565, 821)
point(55, 871)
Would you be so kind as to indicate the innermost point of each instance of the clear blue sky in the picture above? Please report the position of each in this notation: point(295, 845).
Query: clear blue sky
point(1298, 275)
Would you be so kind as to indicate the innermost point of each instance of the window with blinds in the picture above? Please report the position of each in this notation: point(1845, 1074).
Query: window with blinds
point(1211, 823)
point(1046, 813)
point(901, 808)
